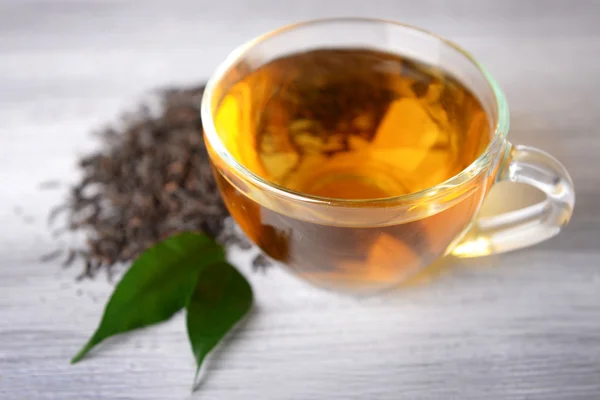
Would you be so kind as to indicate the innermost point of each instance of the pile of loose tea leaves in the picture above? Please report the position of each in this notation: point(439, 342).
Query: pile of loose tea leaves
point(151, 179)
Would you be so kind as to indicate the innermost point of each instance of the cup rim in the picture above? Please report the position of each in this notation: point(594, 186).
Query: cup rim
point(480, 163)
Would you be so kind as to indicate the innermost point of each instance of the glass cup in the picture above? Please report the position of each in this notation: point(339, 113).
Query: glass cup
point(366, 245)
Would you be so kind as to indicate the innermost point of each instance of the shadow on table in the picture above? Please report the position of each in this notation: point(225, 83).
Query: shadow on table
point(446, 268)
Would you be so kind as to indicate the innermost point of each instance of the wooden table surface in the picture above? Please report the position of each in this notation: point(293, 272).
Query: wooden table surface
point(525, 325)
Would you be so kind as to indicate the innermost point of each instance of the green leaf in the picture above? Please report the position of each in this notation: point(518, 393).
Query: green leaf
point(221, 298)
point(158, 284)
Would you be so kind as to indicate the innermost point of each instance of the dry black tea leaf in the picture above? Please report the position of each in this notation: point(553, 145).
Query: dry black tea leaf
point(151, 179)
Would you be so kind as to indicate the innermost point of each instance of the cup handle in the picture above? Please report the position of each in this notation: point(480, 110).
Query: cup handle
point(530, 225)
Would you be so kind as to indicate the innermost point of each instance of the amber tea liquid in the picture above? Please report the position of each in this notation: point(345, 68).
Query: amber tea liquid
point(351, 124)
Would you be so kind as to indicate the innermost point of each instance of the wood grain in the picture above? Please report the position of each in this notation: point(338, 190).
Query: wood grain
point(522, 326)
